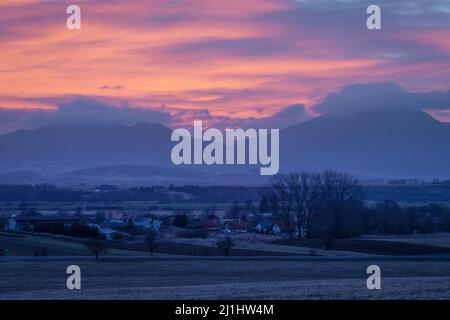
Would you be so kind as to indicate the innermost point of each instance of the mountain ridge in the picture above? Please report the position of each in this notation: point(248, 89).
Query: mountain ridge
point(384, 143)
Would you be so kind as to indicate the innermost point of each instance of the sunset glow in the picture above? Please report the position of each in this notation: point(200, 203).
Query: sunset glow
point(231, 58)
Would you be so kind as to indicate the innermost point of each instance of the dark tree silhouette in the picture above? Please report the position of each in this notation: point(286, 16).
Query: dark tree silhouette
point(342, 193)
point(180, 221)
point(279, 189)
point(226, 245)
point(264, 205)
point(307, 195)
point(151, 241)
point(96, 246)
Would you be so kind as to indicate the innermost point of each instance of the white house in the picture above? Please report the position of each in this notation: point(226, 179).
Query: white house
point(108, 233)
point(11, 225)
point(149, 224)
point(264, 226)
point(267, 215)
point(276, 229)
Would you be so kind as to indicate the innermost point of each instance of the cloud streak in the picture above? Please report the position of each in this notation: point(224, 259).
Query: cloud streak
point(350, 99)
point(232, 58)
point(87, 110)
point(381, 96)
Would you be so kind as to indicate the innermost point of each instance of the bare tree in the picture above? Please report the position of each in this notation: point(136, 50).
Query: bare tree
point(341, 192)
point(307, 194)
point(151, 240)
point(96, 246)
point(226, 244)
point(298, 196)
point(280, 190)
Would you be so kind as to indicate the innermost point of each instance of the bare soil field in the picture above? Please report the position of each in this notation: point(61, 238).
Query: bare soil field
point(379, 246)
point(225, 279)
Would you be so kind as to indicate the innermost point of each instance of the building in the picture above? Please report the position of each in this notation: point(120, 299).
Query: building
point(271, 227)
point(149, 224)
point(235, 225)
point(264, 226)
point(110, 233)
point(114, 224)
point(212, 222)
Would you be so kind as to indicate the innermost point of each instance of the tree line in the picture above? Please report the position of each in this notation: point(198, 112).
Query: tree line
point(330, 204)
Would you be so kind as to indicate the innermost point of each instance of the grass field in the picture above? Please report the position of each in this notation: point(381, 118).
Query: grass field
point(435, 239)
point(26, 245)
point(246, 245)
point(225, 279)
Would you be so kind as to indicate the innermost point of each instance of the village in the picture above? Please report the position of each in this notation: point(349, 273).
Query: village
point(113, 225)
point(189, 220)
point(131, 228)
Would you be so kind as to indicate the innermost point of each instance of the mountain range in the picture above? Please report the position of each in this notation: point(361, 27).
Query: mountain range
point(376, 144)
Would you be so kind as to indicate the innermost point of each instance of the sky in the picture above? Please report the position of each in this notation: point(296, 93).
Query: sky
point(234, 62)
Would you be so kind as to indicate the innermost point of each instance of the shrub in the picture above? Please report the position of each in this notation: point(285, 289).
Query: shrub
point(328, 243)
point(96, 246)
point(79, 230)
point(225, 245)
point(180, 221)
point(117, 236)
point(44, 252)
point(41, 252)
point(152, 243)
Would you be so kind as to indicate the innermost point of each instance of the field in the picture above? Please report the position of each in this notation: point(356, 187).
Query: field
point(127, 273)
point(379, 246)
point(302, 278)
point(26, 245)
point(435, 239)
point(247, 244)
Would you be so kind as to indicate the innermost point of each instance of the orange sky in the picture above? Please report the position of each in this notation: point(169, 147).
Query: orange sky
point(233, 58)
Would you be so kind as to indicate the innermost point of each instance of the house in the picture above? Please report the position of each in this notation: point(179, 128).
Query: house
point(271, 227)
point(127, 218)
point(194, 223)
point(120, 215)
point(109, 233)
point(279, 228)
point(264, 226)
point(276, 229)
point(303, 231)
point(114, 224)
point(267, 215)
point(245, 215)
point(235, 225)
point(212, 222)
point(11, 225)
point(149, 224)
